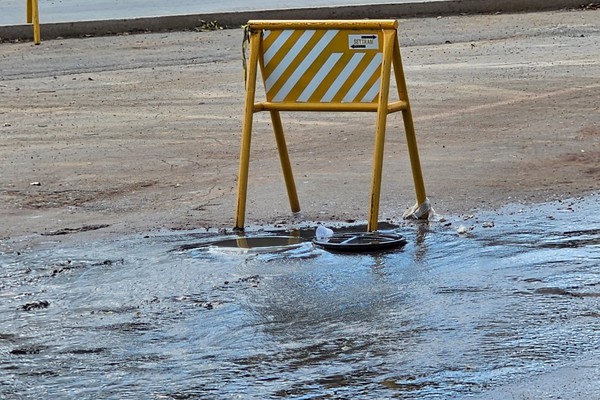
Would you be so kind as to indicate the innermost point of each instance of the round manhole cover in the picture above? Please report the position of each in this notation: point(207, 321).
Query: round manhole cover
point(260, 244)
point(360, 242)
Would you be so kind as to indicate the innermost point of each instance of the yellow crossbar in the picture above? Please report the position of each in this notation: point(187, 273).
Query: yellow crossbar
point(324, 24)
point(357, 107)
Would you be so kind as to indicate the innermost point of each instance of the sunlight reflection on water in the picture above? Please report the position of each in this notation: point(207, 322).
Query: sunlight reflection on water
point(170, 317)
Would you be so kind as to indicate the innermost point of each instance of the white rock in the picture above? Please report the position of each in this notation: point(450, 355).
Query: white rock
point(323, 232)
point(462, 230)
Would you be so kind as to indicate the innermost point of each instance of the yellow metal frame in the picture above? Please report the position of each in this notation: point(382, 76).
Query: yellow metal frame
point(33, 17)
point(391, 57)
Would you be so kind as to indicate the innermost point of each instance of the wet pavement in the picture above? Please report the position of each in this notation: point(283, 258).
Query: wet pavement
point(514, 297)
point(508, 309)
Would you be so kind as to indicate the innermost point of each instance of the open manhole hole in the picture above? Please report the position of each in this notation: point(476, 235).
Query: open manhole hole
point(353, 242)
point(259, 244)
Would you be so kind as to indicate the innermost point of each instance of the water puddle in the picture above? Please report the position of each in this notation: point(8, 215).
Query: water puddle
point(469, 304)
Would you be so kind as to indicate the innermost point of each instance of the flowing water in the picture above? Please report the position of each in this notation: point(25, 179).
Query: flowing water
point(166, 316)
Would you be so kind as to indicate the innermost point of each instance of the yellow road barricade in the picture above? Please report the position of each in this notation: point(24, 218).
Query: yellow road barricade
point(326, 65)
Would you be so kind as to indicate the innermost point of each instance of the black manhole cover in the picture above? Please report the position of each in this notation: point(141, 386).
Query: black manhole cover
point(360, 242)
point(259, 244)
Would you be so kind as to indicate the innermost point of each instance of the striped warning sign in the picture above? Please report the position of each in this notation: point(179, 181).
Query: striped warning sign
point(321, 66)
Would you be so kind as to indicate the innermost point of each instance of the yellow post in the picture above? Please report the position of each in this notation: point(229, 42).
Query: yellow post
point(388, 47)
point(285, 161)
point(247, 129)
point(29, 12)
point(36, 22)
point(409, 128)
point(33, 17)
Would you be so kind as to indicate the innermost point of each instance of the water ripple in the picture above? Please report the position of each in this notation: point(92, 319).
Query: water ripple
point(173, 316)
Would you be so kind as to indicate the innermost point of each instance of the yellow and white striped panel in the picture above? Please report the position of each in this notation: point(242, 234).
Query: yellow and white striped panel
point(321, 66)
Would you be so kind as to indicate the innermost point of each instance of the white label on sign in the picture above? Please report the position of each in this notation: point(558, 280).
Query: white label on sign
point(367, 41)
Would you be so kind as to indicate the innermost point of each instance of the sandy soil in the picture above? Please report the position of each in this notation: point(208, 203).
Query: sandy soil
point(135, 133)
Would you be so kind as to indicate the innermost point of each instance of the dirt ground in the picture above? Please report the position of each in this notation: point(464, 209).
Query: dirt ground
point(134, 133)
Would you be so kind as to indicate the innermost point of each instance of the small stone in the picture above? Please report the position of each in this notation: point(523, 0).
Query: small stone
point(35, 305)
point(463, 230)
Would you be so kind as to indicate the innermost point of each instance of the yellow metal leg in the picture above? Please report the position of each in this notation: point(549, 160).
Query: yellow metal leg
point(285, 161)
point(409, 128)
point(247, 131)
point(388, 43)
point(29, 12)
point(413, 153)
point(36, 22)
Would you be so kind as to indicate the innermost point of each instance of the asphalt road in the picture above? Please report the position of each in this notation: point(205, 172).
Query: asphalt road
point(70, 18)
point(12, 12)
point(112, 128)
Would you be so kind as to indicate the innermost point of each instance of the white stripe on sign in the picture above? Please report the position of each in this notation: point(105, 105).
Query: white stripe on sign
point(318, 78)
point(304, 65)
point(342, 77)
point(288, 59)
point(276, 45)
point(363, 79)
point(369, 97)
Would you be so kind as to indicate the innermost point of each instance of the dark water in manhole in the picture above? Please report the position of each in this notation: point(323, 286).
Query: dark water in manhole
point(167, 317)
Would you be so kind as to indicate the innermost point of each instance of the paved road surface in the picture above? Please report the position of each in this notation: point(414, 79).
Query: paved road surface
point(12, 12)
point(506, 108)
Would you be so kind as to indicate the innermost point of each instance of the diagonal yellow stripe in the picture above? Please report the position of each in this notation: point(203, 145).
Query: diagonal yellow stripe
point(278, 74)
point(300, 75)
point(361, 84)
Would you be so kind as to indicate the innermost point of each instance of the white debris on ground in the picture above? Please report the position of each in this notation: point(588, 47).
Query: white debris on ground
point(323, 232)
